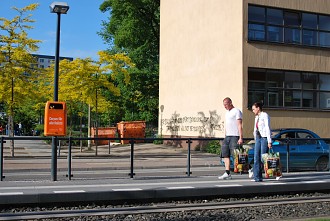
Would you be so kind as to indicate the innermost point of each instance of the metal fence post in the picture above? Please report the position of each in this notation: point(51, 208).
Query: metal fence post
point(287, 154)
point(132, 159)
point(54, 159)
point(109, 146)
point(188, 157)
point(1, 160)
point(69, 159)
point(329, 158)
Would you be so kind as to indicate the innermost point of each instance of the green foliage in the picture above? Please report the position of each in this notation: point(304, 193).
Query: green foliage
point(39, 129)
point(134, 29)
point(158, 141)
point(214, 147)
point(18, 77)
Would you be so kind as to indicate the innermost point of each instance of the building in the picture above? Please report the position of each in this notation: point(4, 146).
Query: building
point(44, 61)
point(273, 51)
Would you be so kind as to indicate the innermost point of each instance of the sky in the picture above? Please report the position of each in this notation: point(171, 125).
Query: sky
point(79, 27)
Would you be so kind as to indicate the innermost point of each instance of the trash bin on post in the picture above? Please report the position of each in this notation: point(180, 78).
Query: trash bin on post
point(55, 119)
point(131, 129)
point(103, 132)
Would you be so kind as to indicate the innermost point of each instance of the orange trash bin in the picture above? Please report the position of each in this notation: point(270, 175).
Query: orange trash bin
point(55, 118)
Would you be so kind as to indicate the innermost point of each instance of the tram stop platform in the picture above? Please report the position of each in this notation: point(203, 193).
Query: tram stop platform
point(159, 172)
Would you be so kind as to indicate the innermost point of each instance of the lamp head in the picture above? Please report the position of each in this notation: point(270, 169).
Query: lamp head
point(59, 7)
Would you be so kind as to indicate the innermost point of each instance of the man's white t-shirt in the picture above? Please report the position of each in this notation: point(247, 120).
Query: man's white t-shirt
point(231, 121)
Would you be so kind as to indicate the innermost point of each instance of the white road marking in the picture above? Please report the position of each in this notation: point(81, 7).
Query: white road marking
point(179, 187)
point(314, 181)
point(69, 191)
point(275, 183)
point(11, 193)
point(133, 189)
point(228, 185)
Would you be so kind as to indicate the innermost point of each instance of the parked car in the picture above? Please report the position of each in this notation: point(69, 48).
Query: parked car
point(306, 149)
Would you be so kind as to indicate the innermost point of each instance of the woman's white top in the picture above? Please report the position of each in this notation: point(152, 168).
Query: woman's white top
point(263, 121)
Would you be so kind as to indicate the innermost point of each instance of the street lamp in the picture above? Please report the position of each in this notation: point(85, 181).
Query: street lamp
point(58, 8)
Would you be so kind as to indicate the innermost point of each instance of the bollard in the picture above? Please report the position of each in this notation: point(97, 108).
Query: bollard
point(1, 160)
point(54, 159)
point(287, 154)
point(109, 146)
point(131, 174)
point(188, 157)
point(69, 175)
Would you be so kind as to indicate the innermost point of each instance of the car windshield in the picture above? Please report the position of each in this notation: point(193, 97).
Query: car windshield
point(275, 132)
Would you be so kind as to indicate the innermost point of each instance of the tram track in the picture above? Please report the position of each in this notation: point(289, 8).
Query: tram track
point(159, 208)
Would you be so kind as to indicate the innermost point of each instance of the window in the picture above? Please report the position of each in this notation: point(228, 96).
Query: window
point(325, 39)
point(324, 82)
point(309, 37)
point(288, 89)
point(274, 16)
point(257, 14)
point(306, 139)
point(309, 21)
point(292, 19)
point(287, 26)
point(274, 34)
point(257, 32)
point(324, 23)
point(292, 36)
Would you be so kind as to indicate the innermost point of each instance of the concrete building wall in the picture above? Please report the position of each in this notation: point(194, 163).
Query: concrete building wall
point(201, 63)
point(205, 55)
point(287, 58)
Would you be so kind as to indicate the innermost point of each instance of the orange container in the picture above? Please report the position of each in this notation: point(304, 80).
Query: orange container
point(55, 119)
point(104, 132)
point(131, 129)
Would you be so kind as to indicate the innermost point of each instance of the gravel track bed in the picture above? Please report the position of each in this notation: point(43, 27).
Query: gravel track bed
point(276, 212)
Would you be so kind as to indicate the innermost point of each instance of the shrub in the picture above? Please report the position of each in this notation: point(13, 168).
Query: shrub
point(158, 141)
point(214, 147)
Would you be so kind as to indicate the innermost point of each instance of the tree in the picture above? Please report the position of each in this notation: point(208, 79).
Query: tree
point(87, 82)
point(18, 75)
point(134, 29)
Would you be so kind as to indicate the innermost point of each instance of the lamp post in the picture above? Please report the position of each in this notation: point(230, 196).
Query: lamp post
point(58, 8)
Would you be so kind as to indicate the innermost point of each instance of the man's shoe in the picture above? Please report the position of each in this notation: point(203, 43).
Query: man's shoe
point(278, 177)
point(225, 176)
point(250, 173)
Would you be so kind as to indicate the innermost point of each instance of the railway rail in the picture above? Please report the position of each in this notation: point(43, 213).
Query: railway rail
point(191, 208)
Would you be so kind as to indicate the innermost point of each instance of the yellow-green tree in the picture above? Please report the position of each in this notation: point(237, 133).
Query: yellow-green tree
point(18, 74)
point(85, 82)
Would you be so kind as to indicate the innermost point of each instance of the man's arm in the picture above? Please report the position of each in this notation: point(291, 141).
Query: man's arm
point(240, 131)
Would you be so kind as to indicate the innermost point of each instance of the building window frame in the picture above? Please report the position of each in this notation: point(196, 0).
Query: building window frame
point(288, 27)
point(286, 89)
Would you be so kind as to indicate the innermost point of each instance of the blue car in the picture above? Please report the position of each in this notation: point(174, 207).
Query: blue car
point(306, 150)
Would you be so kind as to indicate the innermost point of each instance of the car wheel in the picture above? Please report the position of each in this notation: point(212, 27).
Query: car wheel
point(322, 164)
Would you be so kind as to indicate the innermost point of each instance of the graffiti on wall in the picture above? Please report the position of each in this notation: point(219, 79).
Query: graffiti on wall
point(202, 124)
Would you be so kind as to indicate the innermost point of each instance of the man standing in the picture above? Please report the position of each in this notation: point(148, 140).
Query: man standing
point(233, 135)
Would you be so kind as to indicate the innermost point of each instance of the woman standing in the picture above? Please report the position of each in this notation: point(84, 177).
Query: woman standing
point(262, 138)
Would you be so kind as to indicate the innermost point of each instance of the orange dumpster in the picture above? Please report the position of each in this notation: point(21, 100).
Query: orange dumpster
point(104, 132)
point(131, 129)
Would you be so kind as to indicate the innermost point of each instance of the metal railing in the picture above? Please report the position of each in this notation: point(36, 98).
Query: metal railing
point(132, 141)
